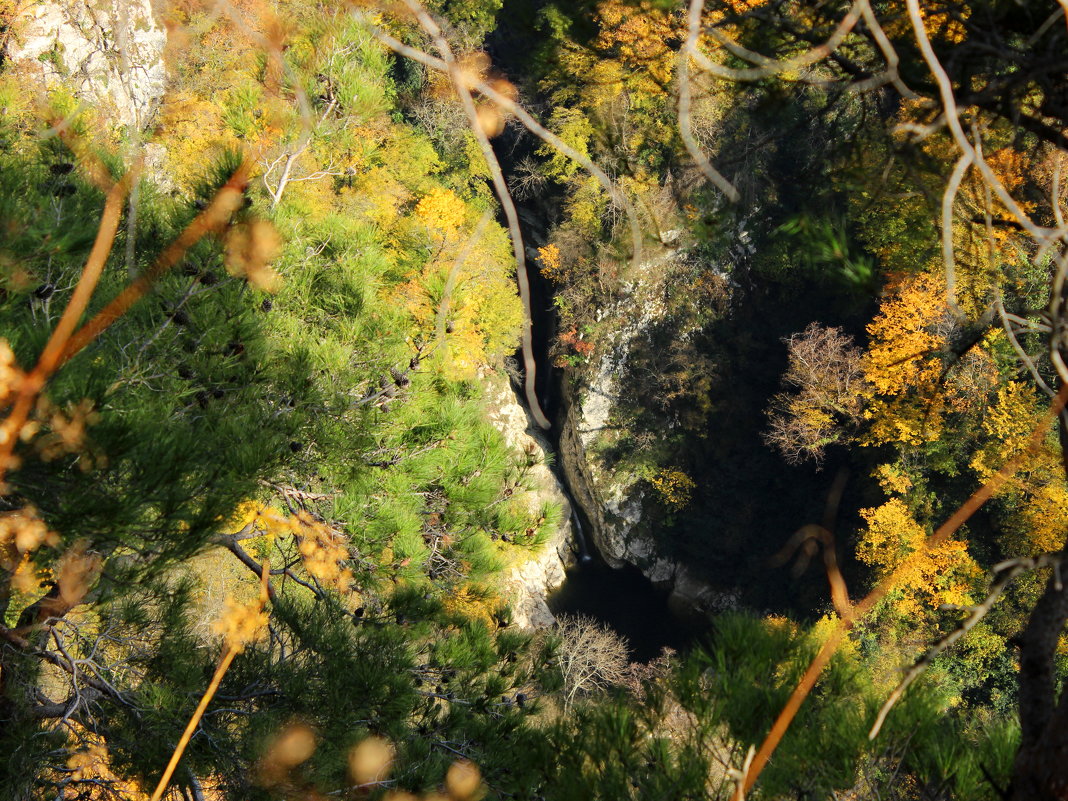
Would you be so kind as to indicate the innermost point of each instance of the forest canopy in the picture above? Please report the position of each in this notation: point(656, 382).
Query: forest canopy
point(271, 271)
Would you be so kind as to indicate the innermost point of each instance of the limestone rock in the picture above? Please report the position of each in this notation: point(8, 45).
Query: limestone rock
point(615, 502)
point(110, 52)
point(528, 584)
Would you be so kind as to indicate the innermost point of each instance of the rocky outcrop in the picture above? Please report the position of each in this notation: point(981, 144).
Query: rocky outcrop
point(527, 584)
point(110, 52)
point(614, 501)
point(617, 502)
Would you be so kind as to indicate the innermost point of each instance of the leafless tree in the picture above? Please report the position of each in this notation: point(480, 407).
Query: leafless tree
point(591, 656)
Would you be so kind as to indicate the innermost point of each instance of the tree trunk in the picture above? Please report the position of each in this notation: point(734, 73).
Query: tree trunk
point(1040, 771)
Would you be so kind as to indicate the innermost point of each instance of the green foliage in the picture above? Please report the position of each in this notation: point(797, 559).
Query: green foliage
point(474, 19)
point(339, 423)
point(746, 677)
point(323, 410)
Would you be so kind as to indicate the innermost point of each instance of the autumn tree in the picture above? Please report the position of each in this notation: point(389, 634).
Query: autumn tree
point(827, 400)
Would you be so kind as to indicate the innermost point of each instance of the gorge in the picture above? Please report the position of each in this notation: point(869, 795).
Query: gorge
point(277, 522)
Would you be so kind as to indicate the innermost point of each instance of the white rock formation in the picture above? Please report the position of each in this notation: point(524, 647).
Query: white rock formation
point(110, 52)
point(528, 584)
point(621, 535)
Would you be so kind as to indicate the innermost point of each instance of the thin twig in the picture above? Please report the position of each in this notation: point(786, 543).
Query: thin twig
point(830, 645)
point(227, 200)
point(54, 351)
point(233, 649)
point(769, 67)
point(507, 104)
point(1009, 571)
point(1043, 236)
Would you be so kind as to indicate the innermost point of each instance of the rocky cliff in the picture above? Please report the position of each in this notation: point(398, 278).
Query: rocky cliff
point(529, 582)
point(618, 502)
point(110, 52)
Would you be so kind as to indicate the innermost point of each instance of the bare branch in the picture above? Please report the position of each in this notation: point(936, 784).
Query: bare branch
point(887, 49)
point(771, 67)
point(1009, 571)
point(531, 124)
point(948, 196)
point(459, 83)
point(591, 656)
point(689, 47)
point(1043, 236)
point(1021, 354)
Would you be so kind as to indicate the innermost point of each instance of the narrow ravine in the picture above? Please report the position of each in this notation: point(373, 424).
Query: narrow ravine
point(621, 598)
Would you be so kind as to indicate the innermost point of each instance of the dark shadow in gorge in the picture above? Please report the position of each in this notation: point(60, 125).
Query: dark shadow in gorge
point(748, 502)
point(623, 599)
point(628, 603)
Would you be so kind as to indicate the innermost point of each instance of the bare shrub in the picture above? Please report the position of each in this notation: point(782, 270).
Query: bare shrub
point(591, 656)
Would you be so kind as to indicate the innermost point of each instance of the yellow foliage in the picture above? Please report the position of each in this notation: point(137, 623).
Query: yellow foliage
point(905, 420)
point(441, 210)
point(822, 630)
point(939, 23)
point(673, 487)
point(192, 129)
point(1014, 415)
point(380, 195)
point(576, 130)
point(1045, 518)
point(472, 307)
point(892, 479)
point(241, 623)
point(1009, 424)
point(780, 623)
point(903, 335)
point(323, 550)
point(640, 38)
point(321, 547)
point(551, 266)
point(606, 83)
point(472, 604)
point(585, 209)
point(929, 576)
point(742, 6)
point(902, 367)
point(89, 768)
point(1037, 488)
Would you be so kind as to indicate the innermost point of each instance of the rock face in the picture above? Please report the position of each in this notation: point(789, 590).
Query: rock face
point(109, 51)
point(530, 582)
point(616, 502)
